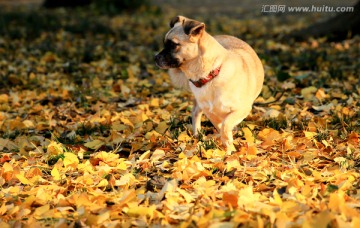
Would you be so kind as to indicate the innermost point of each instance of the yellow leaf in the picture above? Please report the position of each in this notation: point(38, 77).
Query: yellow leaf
point(182, 155)
point(269, 134)
point(157, 155)
point(55, 148)
point(3, 209)
point(49, 57)
point(321, 220)
point(309, 135)
point(127, 122)
point(55, 173)
point(248, 135)
point(4, 225)
point(320, 94)
point(335, 202)
point(217, 153)
point(144, 156)
point(7, 167)
point(128, 196)
point(142, 211)
point(151, 134)
point(184, 137)
point(95, 144)
point(144, 117)
point(96, 82)
point(70, 160)
point(127, 180)
point(162, 127)
point(41, 210)
point(117, 126)
point(28, 201)
point(4, 98)
point(103, 217)
point(325, 143)
point(312, 127)
point(308, 92)
point(122, 165)
point(165, 165)
point(29, 124)
point(106, 157)
point(232, 163)
point(154, 102)
point(102, 183)
point(7, 143)
point(247, 197)
point(124, 90)
point(252, 151)
point(355, 222)
point(186, 195)
point(294, 154)
point(282, 219)
point(23, 179)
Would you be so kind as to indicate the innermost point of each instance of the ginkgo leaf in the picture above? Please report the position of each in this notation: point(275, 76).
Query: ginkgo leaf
point(186, 195)
point(70, 160)
point(23, 179)
point(102, 183)
point(162, 127)
point(55, 148)
point(127, 121)
point(248, 135)
point(231, 198)
point(40, 211)
point(4, 98)
point(125, 180)
point(95, 144)
point(142, 211)
point(7, 167)
point(55, 173)
point(184, 137)
point(157, 155)
point(144, 156)
point(309, 135)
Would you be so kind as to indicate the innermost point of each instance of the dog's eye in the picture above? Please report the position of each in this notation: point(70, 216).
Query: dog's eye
point(175, 44)
point(171, 44)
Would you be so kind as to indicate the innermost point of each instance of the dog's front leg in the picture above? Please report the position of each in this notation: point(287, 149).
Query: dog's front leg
point(232, 119)
point(196, 118)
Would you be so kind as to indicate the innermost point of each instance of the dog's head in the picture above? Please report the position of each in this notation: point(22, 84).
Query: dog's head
point(181, 43)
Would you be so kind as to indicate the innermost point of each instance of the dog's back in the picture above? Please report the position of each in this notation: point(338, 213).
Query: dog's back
point(240, 47)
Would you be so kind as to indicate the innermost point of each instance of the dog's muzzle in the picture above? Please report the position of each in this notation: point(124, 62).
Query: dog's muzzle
point(159, 60)
point(166, 61)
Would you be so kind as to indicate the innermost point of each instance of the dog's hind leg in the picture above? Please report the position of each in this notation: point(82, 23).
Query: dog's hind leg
point(196, 118)
point(232, 119)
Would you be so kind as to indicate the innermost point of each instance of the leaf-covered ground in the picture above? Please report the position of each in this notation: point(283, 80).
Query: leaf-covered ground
point(93, 134)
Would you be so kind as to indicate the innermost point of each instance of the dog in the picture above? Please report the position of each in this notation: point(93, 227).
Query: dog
point(223, 72)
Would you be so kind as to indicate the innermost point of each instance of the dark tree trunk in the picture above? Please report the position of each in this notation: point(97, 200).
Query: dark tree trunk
point(342, 26)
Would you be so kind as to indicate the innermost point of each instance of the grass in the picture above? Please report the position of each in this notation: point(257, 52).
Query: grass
point(276, 123)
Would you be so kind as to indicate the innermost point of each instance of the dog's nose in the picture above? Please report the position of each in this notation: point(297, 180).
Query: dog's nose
point(156, 57)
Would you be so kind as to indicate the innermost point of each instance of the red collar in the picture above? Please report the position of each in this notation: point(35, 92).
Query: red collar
point(201, 82)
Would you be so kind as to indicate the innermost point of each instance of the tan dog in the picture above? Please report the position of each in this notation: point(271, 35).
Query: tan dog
point(223, 72)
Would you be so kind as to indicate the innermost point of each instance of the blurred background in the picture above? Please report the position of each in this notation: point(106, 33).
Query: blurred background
point(78, 58)
point(79, 40)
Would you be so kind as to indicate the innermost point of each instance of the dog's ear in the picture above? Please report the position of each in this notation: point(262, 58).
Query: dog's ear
point(177, 19)
point(193, 28)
